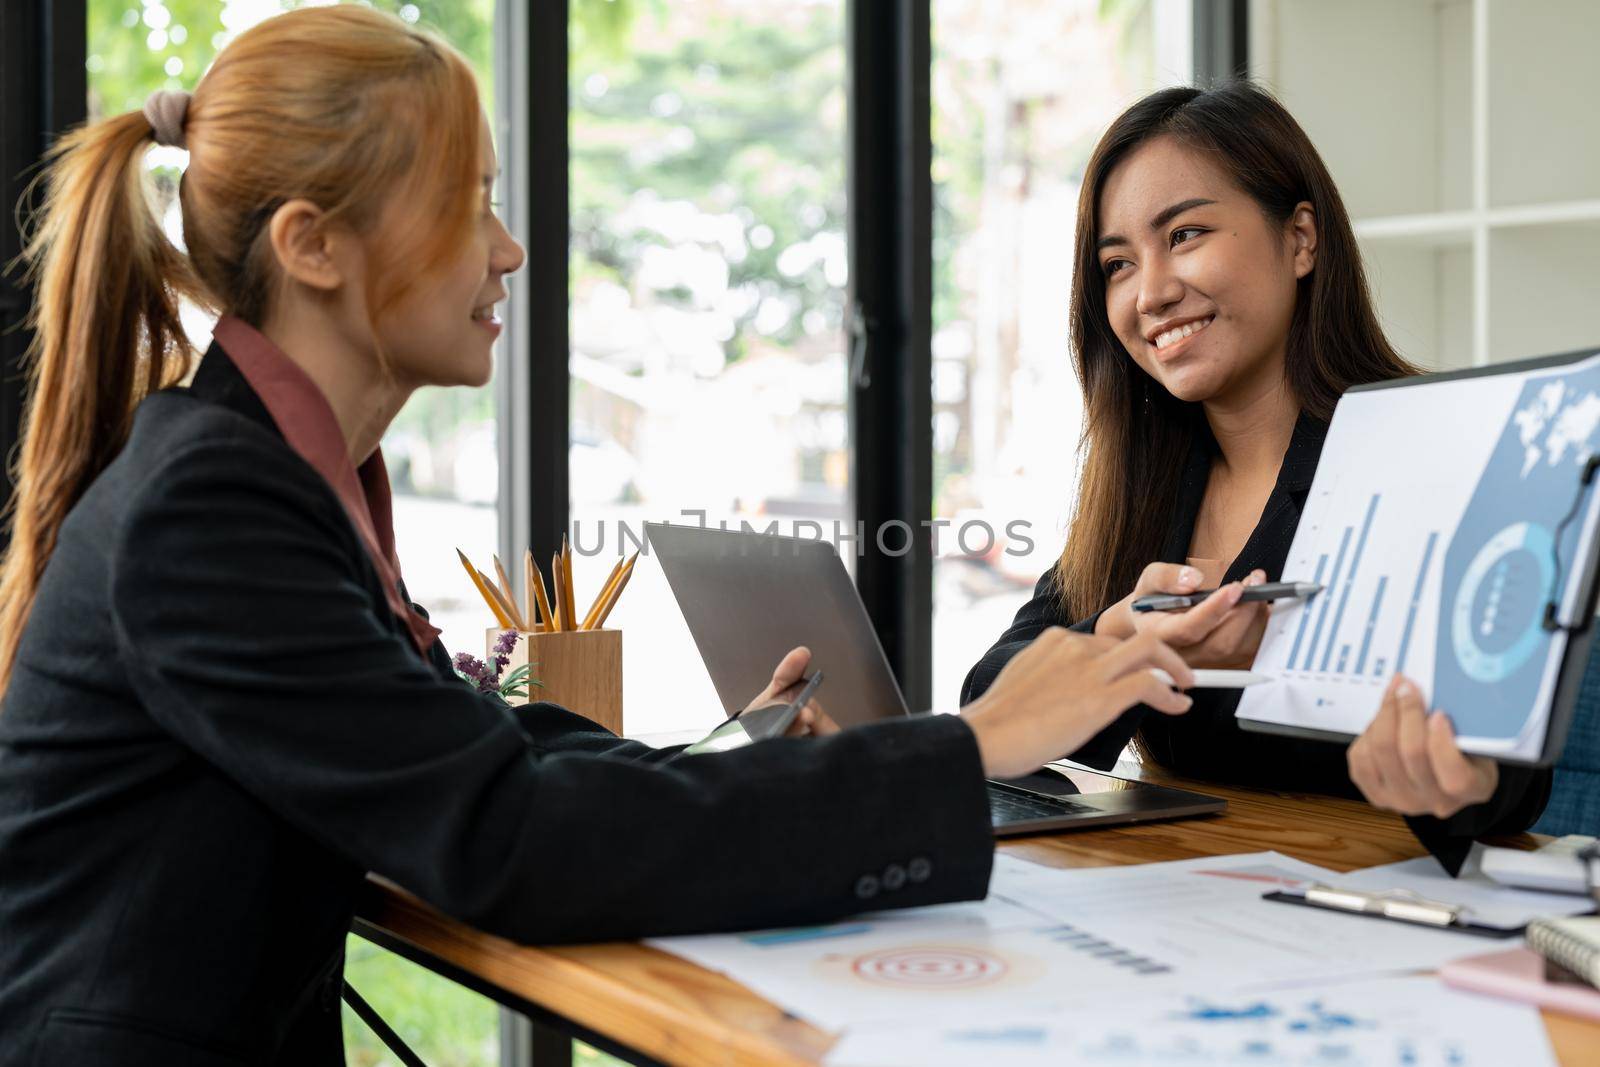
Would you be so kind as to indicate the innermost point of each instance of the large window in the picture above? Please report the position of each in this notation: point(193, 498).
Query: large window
point(441, 450)
point(1021, 92)
point(708, 268)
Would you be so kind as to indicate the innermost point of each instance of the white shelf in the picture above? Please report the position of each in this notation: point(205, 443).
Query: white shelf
point(1456, 227)
point(1444, 228)
point(1464, 139)
point(1559, 214)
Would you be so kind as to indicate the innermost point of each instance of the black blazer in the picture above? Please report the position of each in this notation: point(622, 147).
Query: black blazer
point(1207, 742)
point(216, 727)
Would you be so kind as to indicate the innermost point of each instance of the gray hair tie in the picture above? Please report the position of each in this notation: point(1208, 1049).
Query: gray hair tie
point(167, 109)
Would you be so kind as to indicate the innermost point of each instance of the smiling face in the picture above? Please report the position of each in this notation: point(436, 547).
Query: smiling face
point(1200, 284)
point(443, 331)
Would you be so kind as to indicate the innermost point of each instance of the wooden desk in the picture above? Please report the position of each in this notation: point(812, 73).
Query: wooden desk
point(655, 1006)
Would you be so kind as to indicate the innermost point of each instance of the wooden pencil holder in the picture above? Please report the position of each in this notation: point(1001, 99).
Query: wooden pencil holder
point(579, 669)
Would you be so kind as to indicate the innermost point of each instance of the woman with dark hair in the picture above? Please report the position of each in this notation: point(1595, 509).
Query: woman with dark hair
point(1219, 309)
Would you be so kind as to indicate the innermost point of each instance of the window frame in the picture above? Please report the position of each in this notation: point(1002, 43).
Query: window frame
point(890, 156)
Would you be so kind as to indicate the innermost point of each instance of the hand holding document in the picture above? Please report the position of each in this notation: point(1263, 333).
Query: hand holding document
point(1453, 521)
point(543, 611)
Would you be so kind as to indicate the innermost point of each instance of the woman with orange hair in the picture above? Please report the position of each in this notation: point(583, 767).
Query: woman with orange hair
point(220, 710)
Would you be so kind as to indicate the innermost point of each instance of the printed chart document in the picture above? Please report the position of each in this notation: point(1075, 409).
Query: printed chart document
point(1435, 524)
point(1403, 1022)
point(1049, 940)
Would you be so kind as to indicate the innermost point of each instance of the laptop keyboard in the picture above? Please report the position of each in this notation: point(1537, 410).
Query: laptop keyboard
point(1009, 806)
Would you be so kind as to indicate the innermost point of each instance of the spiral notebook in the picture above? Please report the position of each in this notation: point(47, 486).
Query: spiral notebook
point(1571, 944)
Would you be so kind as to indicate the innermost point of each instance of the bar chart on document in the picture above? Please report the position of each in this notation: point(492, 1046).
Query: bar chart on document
point(1444, 517)
point(1363, 627)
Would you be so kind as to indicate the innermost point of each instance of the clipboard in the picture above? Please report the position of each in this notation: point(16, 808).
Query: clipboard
point(1395, 905)
point(1568, 603)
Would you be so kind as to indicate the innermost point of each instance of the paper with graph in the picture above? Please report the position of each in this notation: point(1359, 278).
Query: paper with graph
point(1063, 941)
point(1439, 525)
point(1403, 1022)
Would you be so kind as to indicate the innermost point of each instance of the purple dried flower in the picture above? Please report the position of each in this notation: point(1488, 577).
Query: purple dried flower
point(475, 671)
point(485, 675)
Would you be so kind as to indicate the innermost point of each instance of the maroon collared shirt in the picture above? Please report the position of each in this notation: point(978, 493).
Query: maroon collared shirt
point(308, 424)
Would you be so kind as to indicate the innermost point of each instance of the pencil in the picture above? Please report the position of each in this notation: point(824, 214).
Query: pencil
point(556, 591)
point(600, 597)
point(616, 592)
point(530, 606)
point(536, 583)
point(569, 610)
point(483, 589)
point(509, 594)
point(507, 614)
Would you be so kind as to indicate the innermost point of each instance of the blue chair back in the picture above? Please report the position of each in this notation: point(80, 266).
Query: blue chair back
point(1574, 806)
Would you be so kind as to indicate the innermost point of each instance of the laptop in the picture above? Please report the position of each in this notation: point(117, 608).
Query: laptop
point(751, 597)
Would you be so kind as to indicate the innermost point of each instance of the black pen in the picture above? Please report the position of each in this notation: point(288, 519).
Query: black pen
point(1264, 591)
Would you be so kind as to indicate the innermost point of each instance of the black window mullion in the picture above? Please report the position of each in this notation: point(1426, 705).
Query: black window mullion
point(533, 393)
point(891, 271)
point(1221, 40)
point(534, 504)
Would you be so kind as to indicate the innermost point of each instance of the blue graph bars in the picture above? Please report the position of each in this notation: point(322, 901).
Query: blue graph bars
point(1372, 622)
point(1349, 582)
point(1305, 617)
point(1322, 613)
point(1319, 655)
point(1416, 597)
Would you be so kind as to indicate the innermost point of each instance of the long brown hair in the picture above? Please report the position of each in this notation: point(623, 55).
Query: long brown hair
point(344, 106)
point(1136, 434)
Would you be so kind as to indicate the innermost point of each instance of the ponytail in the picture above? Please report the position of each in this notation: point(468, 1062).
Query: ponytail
point(345, 106)
point(105, 333)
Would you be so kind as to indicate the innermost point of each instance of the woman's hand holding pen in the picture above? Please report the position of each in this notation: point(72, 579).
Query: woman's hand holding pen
point(1217, 632)
point(1407, 760)
point(787, 680)
point(1063, 689)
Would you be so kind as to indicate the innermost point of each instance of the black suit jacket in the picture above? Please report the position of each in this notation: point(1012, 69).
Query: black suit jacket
point(1207, 742)
point(216, 726)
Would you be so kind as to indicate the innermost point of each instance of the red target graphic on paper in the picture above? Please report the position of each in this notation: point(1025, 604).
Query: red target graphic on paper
point(930, 968)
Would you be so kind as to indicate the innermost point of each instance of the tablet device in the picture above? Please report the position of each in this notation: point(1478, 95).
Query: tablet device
point(1452, 521)
point(757, 724)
